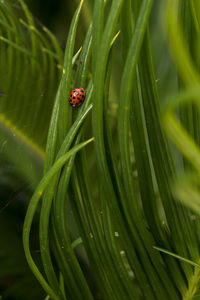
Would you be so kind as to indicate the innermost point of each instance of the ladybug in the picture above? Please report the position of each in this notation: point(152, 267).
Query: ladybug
point(77, 97)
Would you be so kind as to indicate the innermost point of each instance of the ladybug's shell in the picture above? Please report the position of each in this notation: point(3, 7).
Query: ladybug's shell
point(77, 97)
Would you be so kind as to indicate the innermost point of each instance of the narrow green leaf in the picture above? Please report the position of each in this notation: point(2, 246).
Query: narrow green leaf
point(24, 50)
point(47, 202)
point(126, 27)
point(177, 256)
point(97, 29)
point(32, 209)
point(63, 120)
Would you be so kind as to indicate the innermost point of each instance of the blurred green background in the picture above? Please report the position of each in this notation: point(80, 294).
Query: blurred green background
point(57, 15)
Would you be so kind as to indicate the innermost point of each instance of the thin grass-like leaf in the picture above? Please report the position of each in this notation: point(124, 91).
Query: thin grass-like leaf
point(177, 256)
point(31, 211)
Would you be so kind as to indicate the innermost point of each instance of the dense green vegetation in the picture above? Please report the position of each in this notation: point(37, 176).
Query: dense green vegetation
point(100, 201)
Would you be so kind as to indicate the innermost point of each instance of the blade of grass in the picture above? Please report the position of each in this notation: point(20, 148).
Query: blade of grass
point(192, 285)
point(112, 252)
point(59, 249)
point(60, 216)
point(97, 29)
point(32, 209)
point(177, 256)
point(63, 120)
point(93, 221)
point(55, 43)
point(89, 243)
point(123, 126)
point(126, 27)
point(98, 126)
point(57, 121)
point(161, 156)
point(47, 202)
point(19, 48)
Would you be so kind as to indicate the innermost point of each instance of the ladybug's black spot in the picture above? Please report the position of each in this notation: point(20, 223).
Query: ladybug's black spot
point(74, 97)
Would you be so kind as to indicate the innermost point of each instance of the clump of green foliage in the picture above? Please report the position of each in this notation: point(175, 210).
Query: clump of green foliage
point(116, 207)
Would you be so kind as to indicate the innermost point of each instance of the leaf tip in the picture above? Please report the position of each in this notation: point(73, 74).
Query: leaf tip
point(115, 37)
point(79, 50)
point(44, 28)
point(90, 140)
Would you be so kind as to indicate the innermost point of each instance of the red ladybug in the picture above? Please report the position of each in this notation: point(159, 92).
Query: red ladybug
point(77, 97)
